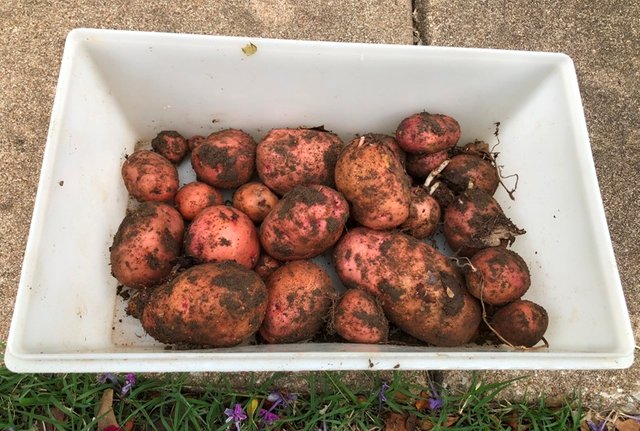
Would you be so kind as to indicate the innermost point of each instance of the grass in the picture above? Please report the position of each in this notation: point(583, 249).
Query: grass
point(68, 402)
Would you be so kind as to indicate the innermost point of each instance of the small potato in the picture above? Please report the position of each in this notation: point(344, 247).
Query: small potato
point(171, 145)
point(427, 133)
point(255, 200)
point(499, 276)
point(145, 245)
point(266, 266)
point(192, 198)
point(358, 318)
point(211, 304)
point(306, 222)
point(225, 160)
point(300, 297)
point(419, 166)
point(150, 177)
point(424, 214)
point(373, 180)
point(521, 323)
point(465, 169)
point(194, 141)
point(286, 158)
point(220, 233)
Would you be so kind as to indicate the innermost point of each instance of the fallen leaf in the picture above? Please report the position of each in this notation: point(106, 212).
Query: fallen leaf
point(249, 49)
point(627, 425)
point(423, 402)
point(395, 422)
point(128, 425)
point(426, 424)
point(105, 414)
point(252, 406)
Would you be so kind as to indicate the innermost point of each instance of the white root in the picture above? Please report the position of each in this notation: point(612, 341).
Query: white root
point(434, 173)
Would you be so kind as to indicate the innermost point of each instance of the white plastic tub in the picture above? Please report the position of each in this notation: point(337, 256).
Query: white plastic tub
point(116, 88)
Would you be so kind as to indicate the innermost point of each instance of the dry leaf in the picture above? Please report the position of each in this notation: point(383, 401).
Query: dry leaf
point(105, 411)
point(395, 422)
point(423, 402)
point(128, 425)
point(249, 49)
point(426, 424)
point(627, 425)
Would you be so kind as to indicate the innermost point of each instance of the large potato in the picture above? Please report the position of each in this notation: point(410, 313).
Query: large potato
point(145, 245)
point(150, 177)
point(304, 223)
point(286, 158)
point(226, 159)
point(213, 304)
point(372, 178)
point(427, 133)
point(357, 317)
point(220, 233)
point(300, 297)
point(420, 290)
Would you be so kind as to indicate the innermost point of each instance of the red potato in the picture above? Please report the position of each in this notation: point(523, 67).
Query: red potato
point(464, 169)
point(150, 177)
point(374, 182)
point(498, 276)
point(192, 198)
point(306, 222)
point(474, 220)
point(211, 304)
point(424, 214)
point(194, 141)
point(146, 244)
point(427, 133)
point(220, 233)
point(300, 297)
point(442, 194)
point(171, 145)
point(226, 159)
point(358, 318)
point(521, 323)
point(255, 200)
point(419, 166)
point(420, 290)
point(286, 158)
point(266, 266)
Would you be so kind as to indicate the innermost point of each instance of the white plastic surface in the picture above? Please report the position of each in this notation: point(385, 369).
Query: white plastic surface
point(116, 88)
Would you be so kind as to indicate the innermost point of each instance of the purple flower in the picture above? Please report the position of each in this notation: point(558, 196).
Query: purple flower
point(435, 402)
point(278, 398)
point(599, 427)
point(383, 391)
point(129, 381)
point(107, 377)
point(267, 416)
point(237, 415)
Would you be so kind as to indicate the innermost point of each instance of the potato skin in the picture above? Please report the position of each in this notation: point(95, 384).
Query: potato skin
point(146, 243)
point(226, 159)
point(424, 214)
point(150, 177)
point(300, 297)
point(358, 318)
point(420, 290)
point(465, 168)
point(522, 322)
point(500, 276)
point(192, 198)
point(266, 266)
point(373, 180)
point(286, 158)
point(304, 223)
point(427, 133)
point(220, 233)
point(419, 166)
point(255, 200)
point(212, 304)
point(170, 145)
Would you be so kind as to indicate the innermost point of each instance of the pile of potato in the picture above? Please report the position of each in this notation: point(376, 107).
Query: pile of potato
point(206, 272)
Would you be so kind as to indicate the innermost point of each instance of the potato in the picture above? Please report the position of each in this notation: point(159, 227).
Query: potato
point(171, 145)
point(358, 318)
point(420, 290)
point(474, 220)
point(521, 323)
point(424, 214)
point(300, 297)
point(150, 177)
point(212, 304)
point(192, 198)
point(226, 159)
point(464, 169)
point(255, 200)
point(373, 180)
point(304, 223)
point(194, 141)
point(419, 166)
point(498, 276)
point(286, 158)
point(220, 233)
point(145, 245)
point(266, 266)
point(427, 133)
